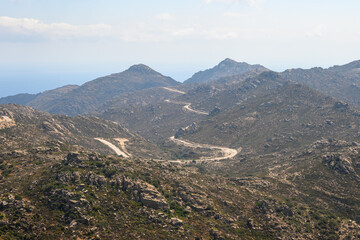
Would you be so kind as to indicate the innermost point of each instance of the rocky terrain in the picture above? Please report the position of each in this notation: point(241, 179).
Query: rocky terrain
point(34, 129)
point(52, 193)
point(285, 118)
point(238, 152)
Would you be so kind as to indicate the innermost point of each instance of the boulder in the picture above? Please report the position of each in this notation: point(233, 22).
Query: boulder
point(176, 222)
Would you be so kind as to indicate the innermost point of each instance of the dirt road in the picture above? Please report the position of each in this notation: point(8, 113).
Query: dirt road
point(122, 144)
point(226, 152)
point(174, 90)
point(113, 147)
point(187, 107)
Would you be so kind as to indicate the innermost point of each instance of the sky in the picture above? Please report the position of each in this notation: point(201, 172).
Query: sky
point(46, 44)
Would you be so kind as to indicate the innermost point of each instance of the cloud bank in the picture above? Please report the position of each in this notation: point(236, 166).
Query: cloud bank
point(31, 26)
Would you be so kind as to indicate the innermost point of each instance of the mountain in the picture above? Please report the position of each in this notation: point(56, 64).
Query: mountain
point(92, 94)
point(158, 113)
point(342, 82)
point(227, 92)
point(350, 69)
point(22, 98)
point(39, 100)
point(226, 68)
point(44, 99)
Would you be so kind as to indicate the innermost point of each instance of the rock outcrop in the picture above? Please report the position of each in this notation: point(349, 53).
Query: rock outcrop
point(338, 163)
point(145, 193)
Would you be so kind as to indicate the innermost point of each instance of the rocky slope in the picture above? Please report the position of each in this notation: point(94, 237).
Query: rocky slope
point(32, 128)
point(283, 119)
point(55, 193)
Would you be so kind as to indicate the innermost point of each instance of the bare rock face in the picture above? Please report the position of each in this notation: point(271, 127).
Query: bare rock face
point(145, 193)
point(6, 122)
point(338, 163)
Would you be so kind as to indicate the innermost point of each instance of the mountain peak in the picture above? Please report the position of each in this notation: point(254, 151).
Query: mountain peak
point(228, 61)
point(141, 68)
point(225, 68)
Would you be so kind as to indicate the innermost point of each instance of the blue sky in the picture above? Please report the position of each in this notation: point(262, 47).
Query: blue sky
point(46, 44)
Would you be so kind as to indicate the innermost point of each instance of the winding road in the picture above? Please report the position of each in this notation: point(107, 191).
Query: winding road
point(187, 104)
point(225, 152)
point(187, 107)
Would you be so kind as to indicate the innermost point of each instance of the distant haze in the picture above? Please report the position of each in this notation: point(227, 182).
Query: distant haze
point(46, 44)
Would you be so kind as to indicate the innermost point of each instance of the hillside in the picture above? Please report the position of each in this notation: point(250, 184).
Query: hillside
point(39, 100)
point(227, 92)
point(226, 68)
point(342, 82)
point(32, 128)
point(44, 100)
point(284, 119)
point(155, 119)
point(350, 69)
point(91, 95)
point(158, 113)
point(51, 189)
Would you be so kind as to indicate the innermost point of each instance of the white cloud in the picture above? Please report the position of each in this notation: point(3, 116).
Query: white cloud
point(251, 2)
point(30, 29)
point(235, 14)
point(165, 16)
point(184, 32)
point(30, 26)
point(318, 31)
